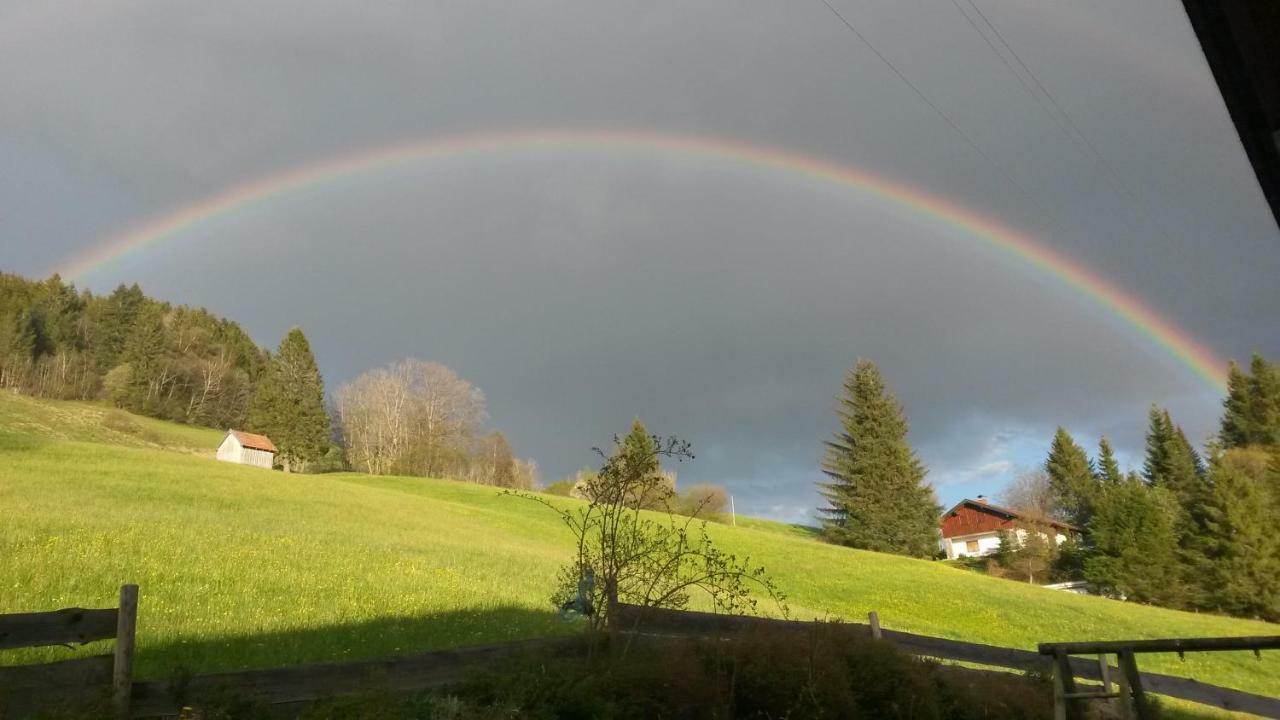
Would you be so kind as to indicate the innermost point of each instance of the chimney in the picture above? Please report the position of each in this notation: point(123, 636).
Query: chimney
point(982, 499)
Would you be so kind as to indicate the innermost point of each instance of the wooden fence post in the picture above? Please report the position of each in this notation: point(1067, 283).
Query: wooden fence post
point(1129, 666)
point(126, 631)
point(1126, 698)
point(873, 618)
point(1064, 688)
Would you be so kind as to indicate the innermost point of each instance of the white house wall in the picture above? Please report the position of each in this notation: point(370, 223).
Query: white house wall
point(958, 547)
point(988, 543)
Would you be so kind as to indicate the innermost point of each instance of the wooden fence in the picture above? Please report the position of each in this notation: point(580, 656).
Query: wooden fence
point(675, 622)
point(1131, 693)
point(302, 683)
point(28, 686)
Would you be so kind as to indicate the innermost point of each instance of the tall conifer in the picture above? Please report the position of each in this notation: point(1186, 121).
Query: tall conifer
point(1108, 470)
point(1071, 478)
point(1241, 546)
point(877, 496)
point(1251, 410)
point(288, 405)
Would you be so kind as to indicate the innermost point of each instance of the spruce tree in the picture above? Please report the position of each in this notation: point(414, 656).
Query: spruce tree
point(1159, 438)
point(1108, 471)
point(1071, 477)
point(288, 404)
point(1251, 410)
point(1135, 553)
point(1241, 545)
point(877, 496)
point(144, 355)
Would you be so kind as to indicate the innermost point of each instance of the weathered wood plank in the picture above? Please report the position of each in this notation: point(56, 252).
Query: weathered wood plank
point(301, 683)
point(69, 684)
point(95, 670)
point(126, 631)
point(60, 627)
point(1263, 642)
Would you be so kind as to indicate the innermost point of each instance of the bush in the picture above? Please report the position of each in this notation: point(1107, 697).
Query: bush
point(704, 501)
point(562, 488)
point(831, 672)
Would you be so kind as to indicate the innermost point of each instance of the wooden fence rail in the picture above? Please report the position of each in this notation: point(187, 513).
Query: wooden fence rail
point(1131, 692)
point(26, 686)
point(443, 667)
point(677, 622)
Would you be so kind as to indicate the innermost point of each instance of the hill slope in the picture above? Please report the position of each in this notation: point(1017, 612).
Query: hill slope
point(242, 567)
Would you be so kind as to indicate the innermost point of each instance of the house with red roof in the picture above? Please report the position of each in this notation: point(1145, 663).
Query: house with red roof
point(247, 449)
point(972, 528)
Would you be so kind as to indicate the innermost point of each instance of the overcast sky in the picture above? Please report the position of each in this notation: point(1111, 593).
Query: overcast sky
point(580, 287)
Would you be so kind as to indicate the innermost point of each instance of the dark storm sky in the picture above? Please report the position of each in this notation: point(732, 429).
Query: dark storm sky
point(582, 287)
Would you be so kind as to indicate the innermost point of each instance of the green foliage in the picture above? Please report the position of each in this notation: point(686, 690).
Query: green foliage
point(238, 571)
point(834, 672)
point(563, 488)
point(1251, 410)
point(1108, 470)
point(877, 497)
point(289, 407)
point(703, 500)
point(1071, 477)
point(1135, 551)
point(169, 362)
point(1241, 545)
point(648, 559)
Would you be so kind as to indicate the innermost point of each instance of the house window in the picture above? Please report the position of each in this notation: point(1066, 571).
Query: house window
point(971, 546)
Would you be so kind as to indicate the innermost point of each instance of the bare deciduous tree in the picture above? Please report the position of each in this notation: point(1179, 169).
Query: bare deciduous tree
point(412, 416)
point(1031, 493)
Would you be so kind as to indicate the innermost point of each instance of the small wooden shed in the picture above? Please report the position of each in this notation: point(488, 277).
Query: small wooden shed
point(247, 449)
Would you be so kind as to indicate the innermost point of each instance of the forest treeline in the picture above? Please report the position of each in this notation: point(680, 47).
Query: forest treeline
point(188, 365)
point(1193, 529)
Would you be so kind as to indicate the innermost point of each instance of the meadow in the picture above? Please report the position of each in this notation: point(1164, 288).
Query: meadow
point(241, 567)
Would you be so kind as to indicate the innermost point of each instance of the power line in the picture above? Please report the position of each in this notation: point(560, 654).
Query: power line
point(932, 106)
point(1117, 182)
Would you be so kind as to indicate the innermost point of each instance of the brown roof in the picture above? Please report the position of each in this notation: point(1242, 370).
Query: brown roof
point(1010, 513)
point(256, 442)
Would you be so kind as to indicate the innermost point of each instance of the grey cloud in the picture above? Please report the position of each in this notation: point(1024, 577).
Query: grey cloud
point(581, 289)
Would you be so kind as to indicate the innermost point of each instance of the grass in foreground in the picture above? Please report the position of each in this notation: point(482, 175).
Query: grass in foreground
point(242, 567)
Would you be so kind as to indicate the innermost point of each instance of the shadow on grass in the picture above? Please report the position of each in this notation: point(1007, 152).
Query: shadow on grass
point(358, 640)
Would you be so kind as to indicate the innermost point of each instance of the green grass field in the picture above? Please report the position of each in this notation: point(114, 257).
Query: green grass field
point(241, 567)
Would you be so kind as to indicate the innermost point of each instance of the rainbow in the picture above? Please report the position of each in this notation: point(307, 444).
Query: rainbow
point(1164, 334)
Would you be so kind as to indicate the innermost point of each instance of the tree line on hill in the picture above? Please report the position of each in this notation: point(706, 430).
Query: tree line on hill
point(187, 365)
point(1189, 531)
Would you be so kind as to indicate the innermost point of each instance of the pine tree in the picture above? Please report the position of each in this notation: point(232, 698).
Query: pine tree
point(877, 497)
point(1236, 429)
point(1108, 471)
point(1071, 477)
point(288, 405)
point(144, 355)
point(1159, 438)
point(1251, 410)
point(1135, 552)
point(1173, 466)
point(1241, 545)
point(115, 316)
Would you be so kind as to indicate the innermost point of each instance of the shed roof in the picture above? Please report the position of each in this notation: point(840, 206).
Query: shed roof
point(251, 440)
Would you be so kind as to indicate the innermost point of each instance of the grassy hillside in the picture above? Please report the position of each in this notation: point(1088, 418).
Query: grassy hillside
point(243, 567)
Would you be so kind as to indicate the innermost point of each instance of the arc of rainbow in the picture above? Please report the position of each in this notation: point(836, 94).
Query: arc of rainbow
point(1203, 362)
